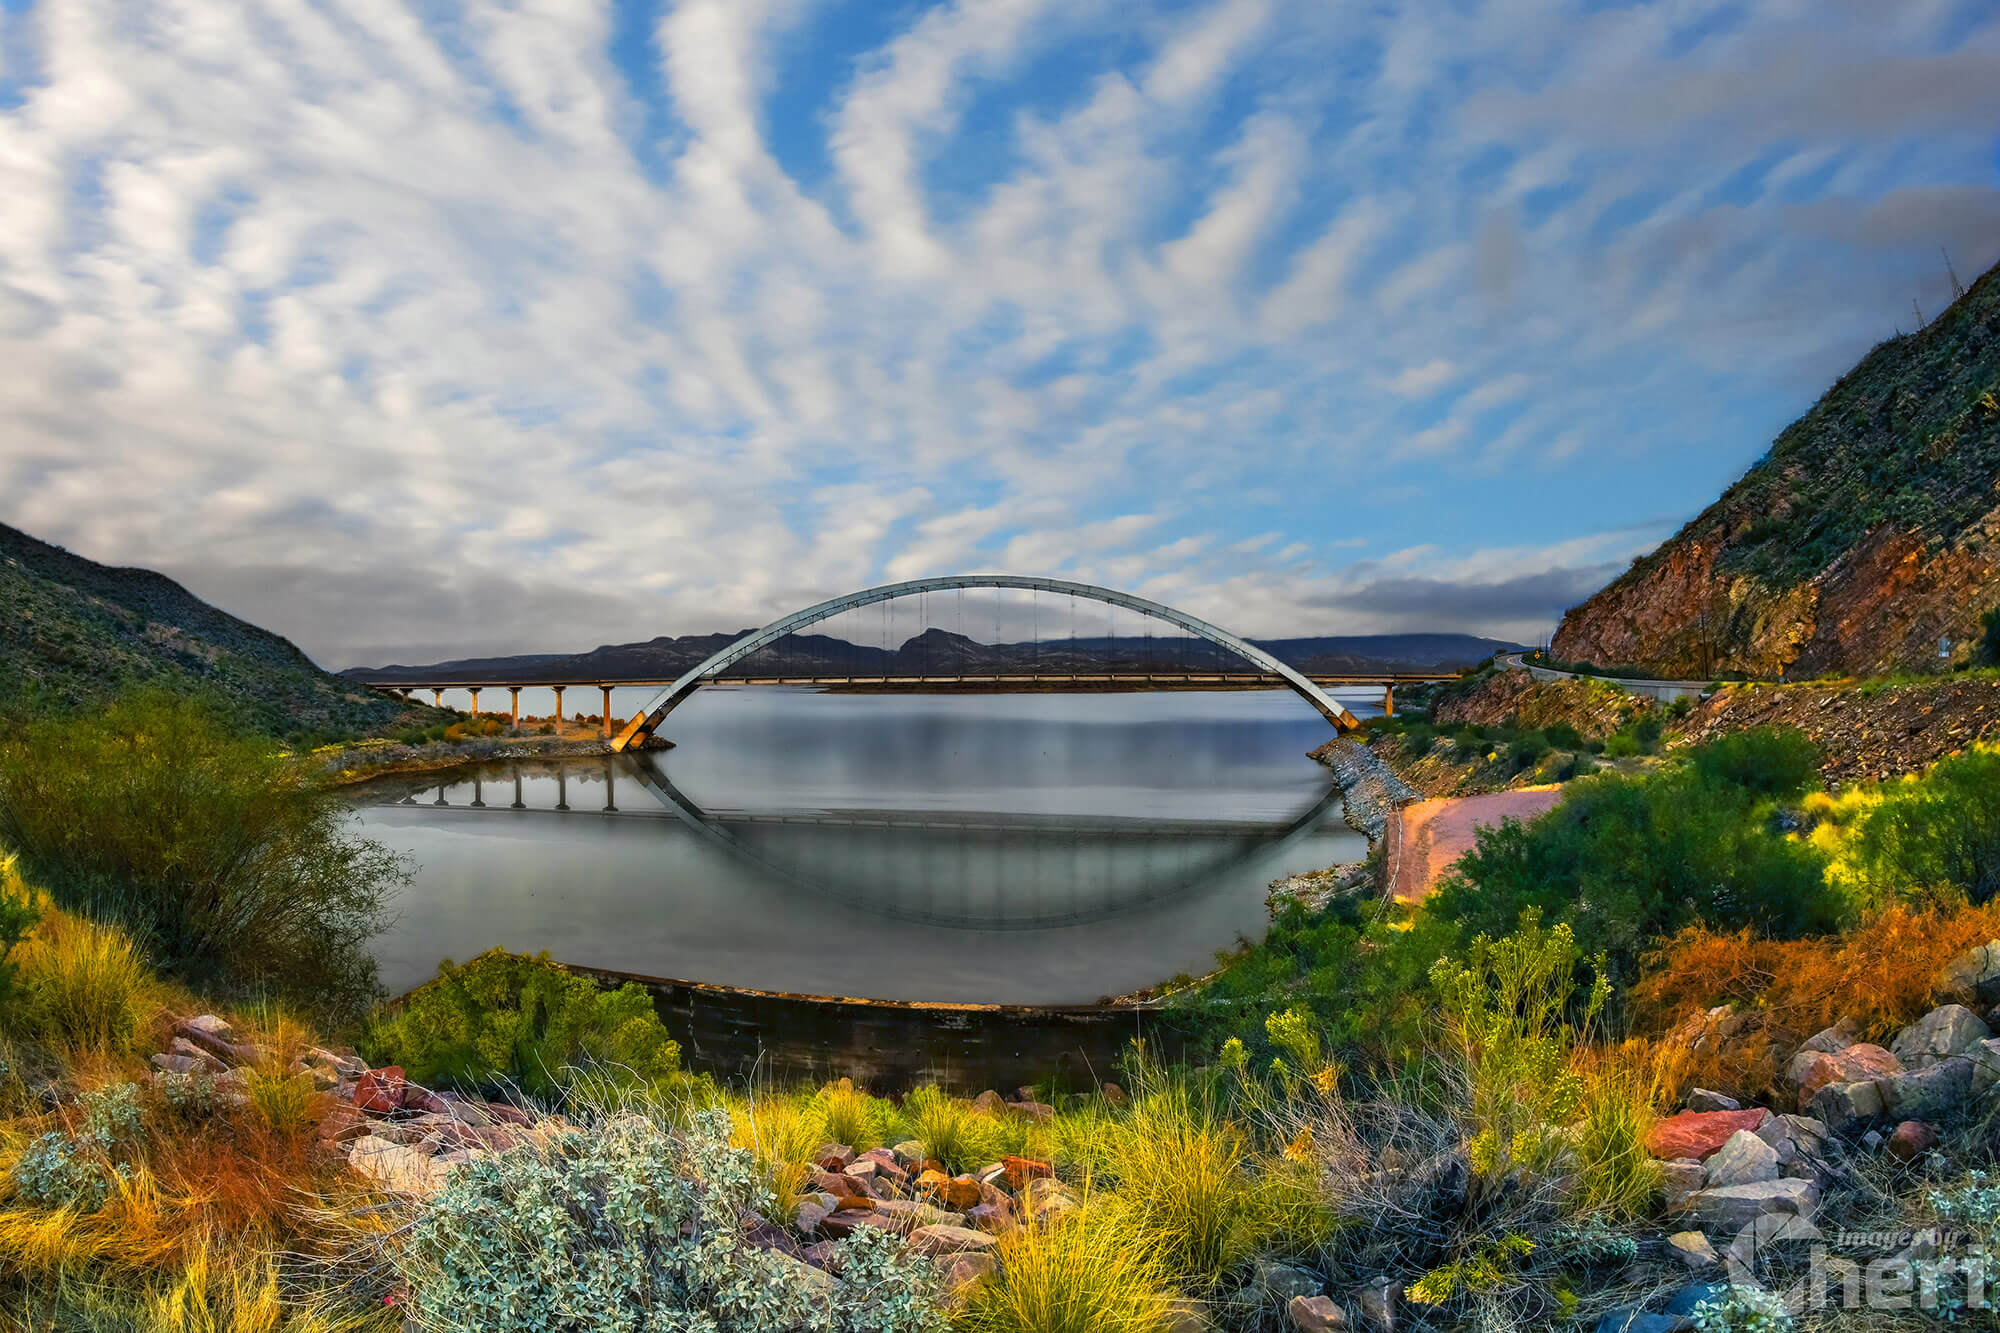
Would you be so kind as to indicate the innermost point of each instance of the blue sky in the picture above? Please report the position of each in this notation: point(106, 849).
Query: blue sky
point(421, 328)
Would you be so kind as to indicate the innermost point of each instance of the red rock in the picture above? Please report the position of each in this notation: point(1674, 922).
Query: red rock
point(1859, 1063)
point(839, 1185)
point(1912, 1139)
point(423, 1099)
point(1698, 1133)
point(1021, 1170)
point(339, 1121)
point(834, 1157)
point(994, 1217)
point(380, 1091)
point(956, 1194)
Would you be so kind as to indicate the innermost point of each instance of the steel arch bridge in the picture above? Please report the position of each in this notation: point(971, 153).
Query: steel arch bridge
point(648, 718)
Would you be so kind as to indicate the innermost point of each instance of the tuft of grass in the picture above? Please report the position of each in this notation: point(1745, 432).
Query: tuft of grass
point(782, 1132)
point(285, 1104)
point(1616, 1175)
point(852, 1117)
point(82, 986)
point(1079, 1276)
point(955, 1135)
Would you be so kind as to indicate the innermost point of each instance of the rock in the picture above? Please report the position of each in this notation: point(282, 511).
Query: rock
point(380, 1091)
point(990, 1102)
point(1020, 1170)
point(201, 1055)
point(839, 1184)
point(1859, 1063)
point(1696, 1134)
point(1679, 1180)
point(1315, 1314)
point(1377, 1304)
point(213, 1026)
point(1280, 1282)
point(914, 1215)
point(1945, 1031)
point(905, 1156)
point(1974, 974)
point(809, 1215)
point(962, 1272)
point(1048, 1199)
point(321, 1076)
point(1793, 1136)
point(1701, 1099)
point(1184, 1314)
point(946, 1239)
point(1834, 1039)
point(1873, 1140)
point(1639, 1321)
point(1684, 1302)
point(990, 1217)
point(424, 1100)
point(177, 1064)
point(1932, 1093)
point(1743, 1160)
point(1843, 1105)
point(833, 1157)
point(847, 1221)
point(1730, 1208)
point(1039, 1112)
point(957, 1193)
point(222, 1048)
point(1692, 1248)
point(1113, 1095)
point(344, 1067)
point(1912, 1139)
point(396, 1167)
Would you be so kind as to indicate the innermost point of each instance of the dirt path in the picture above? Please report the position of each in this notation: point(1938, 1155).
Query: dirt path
point(1425, 837)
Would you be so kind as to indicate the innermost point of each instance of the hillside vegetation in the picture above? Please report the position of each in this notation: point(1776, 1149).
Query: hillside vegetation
point(1870, 531)
point(78, 634)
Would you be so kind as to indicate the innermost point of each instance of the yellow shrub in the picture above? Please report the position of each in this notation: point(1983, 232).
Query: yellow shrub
point(1079, 1276)
point(83, 985)
point(285, 1103)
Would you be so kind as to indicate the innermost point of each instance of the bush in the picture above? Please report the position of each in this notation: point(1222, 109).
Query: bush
point(508, 1018)
point(1527, 750)
point(955, 1135)
point(226, 865)
point(1563, 736)
point(18, 915)
point(1933, 838)
point(1626, 860)
point(629, 1227)
point(1989, 644)
point(1771, 761)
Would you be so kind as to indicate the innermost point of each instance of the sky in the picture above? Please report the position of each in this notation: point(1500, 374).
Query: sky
point(416, 329)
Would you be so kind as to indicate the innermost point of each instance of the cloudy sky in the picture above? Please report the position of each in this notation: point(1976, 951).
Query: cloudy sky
point(415, 328)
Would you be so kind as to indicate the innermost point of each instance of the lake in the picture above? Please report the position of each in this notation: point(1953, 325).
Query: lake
point(1007, 848)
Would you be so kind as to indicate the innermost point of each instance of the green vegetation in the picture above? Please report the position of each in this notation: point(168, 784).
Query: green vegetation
point(1932, 839)
point(523, 1022)
point(229, 868)
point(1989, 645)
point(79, 635)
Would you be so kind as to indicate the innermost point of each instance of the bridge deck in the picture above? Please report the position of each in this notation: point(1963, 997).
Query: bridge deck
point(1198, 679)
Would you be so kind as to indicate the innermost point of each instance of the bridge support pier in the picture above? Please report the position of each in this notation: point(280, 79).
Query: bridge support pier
point(475, 700)
point(437, 698)
point(559, 711)
point(606, 712)
point(514, 708)
point(1388, 701)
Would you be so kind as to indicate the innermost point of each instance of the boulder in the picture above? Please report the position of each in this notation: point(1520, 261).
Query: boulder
point(1679, 1180)
point(1985, 1057)
point(1841, 1106)
point(1315, 1314)
point(1834, 1039)
point(1692, 1248)
point(1793, 1136)
point(1859, 1063)
point(213, 1026)
point(963, 1271)
point(177, 1064)
point(990, 1217)
point(915, 1215)
point(990, 1102)
point(1113, 1095)
point(945, 1239)
point(1280, 1282)
point(1912, 1139)
point(1702, 1099)
point(396, 1167)
point(203, 1058)
point(1945, 1031)
point(904, 1156)
point(839, 1184)
point(1974, 975)
point(1184, 1314)
point(1695, 1295)
point(1697, 1134)
point(1039, 1112)
point(1744, 1160)
point(1730, 1208)
point(1377, 1304)
point(847, 1221)
point(380, 1091)
point(1932, 1093)
point(833, 1157)
point(1020, 1170)
point(204, 1033)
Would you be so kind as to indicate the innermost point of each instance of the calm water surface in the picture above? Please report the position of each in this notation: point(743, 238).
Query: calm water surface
point(1018, 848)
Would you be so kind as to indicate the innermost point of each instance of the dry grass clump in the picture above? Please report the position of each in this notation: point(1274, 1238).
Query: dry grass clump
point(1884, 973)
point(81, 986)
point(1616, 1176)
point(1078, 1276)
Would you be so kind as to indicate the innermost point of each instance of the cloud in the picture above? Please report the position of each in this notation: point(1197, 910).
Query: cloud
point(420, 331)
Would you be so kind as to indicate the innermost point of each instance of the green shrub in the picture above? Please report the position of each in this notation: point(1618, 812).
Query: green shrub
point(1563, 736)
point(954, 1134)
point(629, 1228)
point(1082, 1275)
point(1468, 741)
point(1772, 761)
point(508, 1018)
point(1626, 860)
point(81, 986)
point(1526, 750)
point(226, 865)
point(1934, 837)
point(1989, 645)
point(18, 915)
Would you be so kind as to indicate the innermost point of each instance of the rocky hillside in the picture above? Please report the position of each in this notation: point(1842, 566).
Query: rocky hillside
point(1595, 708)
point(77, 632)
point(1870, 531)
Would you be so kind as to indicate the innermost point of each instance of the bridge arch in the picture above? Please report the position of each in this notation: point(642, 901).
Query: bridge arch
point(648, 718)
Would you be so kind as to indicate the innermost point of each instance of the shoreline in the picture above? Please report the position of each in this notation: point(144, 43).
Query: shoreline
point(363, 763)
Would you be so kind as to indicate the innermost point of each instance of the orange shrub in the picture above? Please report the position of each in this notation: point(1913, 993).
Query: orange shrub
point(1883, 974)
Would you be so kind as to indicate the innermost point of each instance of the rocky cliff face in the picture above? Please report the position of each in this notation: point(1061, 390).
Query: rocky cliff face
point(1868, 533)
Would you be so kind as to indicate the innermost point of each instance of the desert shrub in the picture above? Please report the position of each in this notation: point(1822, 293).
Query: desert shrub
point(1616, 1175)
point(80, 985)
point(630, 1227)
point(1884, 973)
point(1626, 860)
point(1933, 837)
point(283, 1103)
point(1501, 1014)
point(506, 1018)
point(18, 914)
point(1081, 1275)
point(1771, 761)
point(781, 1134)
point(1563, 736)
point(1467, 741)
point(1989, 643)
point(227, 866)
point(1526, 750)
point(62, 1171)
point(852, 1117)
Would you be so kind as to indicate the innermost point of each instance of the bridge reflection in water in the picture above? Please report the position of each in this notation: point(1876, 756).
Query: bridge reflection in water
point(955, 869)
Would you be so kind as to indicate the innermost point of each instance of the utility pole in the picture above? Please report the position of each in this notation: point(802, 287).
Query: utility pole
point(1919, 311)
point(1957, 290)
